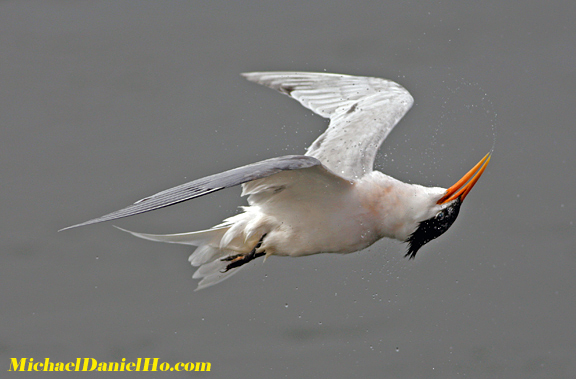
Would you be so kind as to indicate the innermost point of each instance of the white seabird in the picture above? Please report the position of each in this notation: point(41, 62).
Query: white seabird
point(329, 200)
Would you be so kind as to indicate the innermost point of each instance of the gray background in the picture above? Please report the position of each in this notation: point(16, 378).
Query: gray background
point(105, 102)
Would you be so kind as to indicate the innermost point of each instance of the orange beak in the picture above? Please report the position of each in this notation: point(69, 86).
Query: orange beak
point(464, 185)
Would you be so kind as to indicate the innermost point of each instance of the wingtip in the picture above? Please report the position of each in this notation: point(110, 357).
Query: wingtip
point(89, 222)
point(251, 76)
point(75, 226)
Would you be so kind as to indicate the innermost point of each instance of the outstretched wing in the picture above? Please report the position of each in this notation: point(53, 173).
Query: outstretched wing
point(209, 184)
point(362, 111)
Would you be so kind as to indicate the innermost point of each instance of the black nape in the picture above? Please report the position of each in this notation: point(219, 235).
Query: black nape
point(432, 228)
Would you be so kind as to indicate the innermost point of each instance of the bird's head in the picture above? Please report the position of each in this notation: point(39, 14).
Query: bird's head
point(447, 208)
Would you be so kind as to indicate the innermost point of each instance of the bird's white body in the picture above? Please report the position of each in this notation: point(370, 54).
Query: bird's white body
point(331, 217)
point(342, 220)
point(327, 201)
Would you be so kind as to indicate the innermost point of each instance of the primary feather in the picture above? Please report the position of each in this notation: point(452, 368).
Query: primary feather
point(362, 112)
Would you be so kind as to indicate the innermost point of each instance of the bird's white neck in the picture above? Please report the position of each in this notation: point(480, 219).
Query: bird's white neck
point(396, 207)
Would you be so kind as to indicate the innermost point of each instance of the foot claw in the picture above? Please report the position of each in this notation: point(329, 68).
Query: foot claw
point(239, 259)
point(232, 258)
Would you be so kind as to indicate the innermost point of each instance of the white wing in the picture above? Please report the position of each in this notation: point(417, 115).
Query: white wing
point(362, 111)
point(307, 188)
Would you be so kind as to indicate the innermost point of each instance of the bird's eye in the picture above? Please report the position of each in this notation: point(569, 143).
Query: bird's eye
point(440, 215)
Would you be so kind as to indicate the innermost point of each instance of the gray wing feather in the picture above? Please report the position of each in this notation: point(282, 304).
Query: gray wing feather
point(209, 184)
point(362, 112)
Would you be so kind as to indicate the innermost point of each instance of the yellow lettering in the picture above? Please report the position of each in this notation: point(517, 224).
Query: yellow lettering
point(113, 366)
point(89, 360)
point(48, 366)
point(15, 365)
point(147, 364)
point(91, 364)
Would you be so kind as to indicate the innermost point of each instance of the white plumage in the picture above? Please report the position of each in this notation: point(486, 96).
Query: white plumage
point(328, 201)
point(362, 111)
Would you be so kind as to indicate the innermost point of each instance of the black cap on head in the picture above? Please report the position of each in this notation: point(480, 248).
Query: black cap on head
point(432, 228)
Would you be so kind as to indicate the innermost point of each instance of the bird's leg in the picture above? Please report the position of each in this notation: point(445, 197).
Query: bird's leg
point(240, 259)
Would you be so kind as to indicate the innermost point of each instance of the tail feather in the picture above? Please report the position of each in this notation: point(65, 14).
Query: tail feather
point(207, 256)
point(213, 272)
point(192, 238)
point(204, 254)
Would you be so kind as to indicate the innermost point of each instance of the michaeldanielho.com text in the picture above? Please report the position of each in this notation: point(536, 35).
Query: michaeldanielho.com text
point(91, 364)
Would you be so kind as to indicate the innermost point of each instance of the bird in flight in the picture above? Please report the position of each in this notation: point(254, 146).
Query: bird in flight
point(329, 200)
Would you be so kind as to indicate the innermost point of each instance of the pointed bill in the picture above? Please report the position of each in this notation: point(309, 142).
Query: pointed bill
point(464, 185)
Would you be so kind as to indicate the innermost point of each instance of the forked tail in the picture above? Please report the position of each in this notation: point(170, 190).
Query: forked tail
point(213, 260)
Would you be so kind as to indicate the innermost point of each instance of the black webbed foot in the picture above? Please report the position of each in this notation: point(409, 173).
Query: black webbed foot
point(240, 259)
